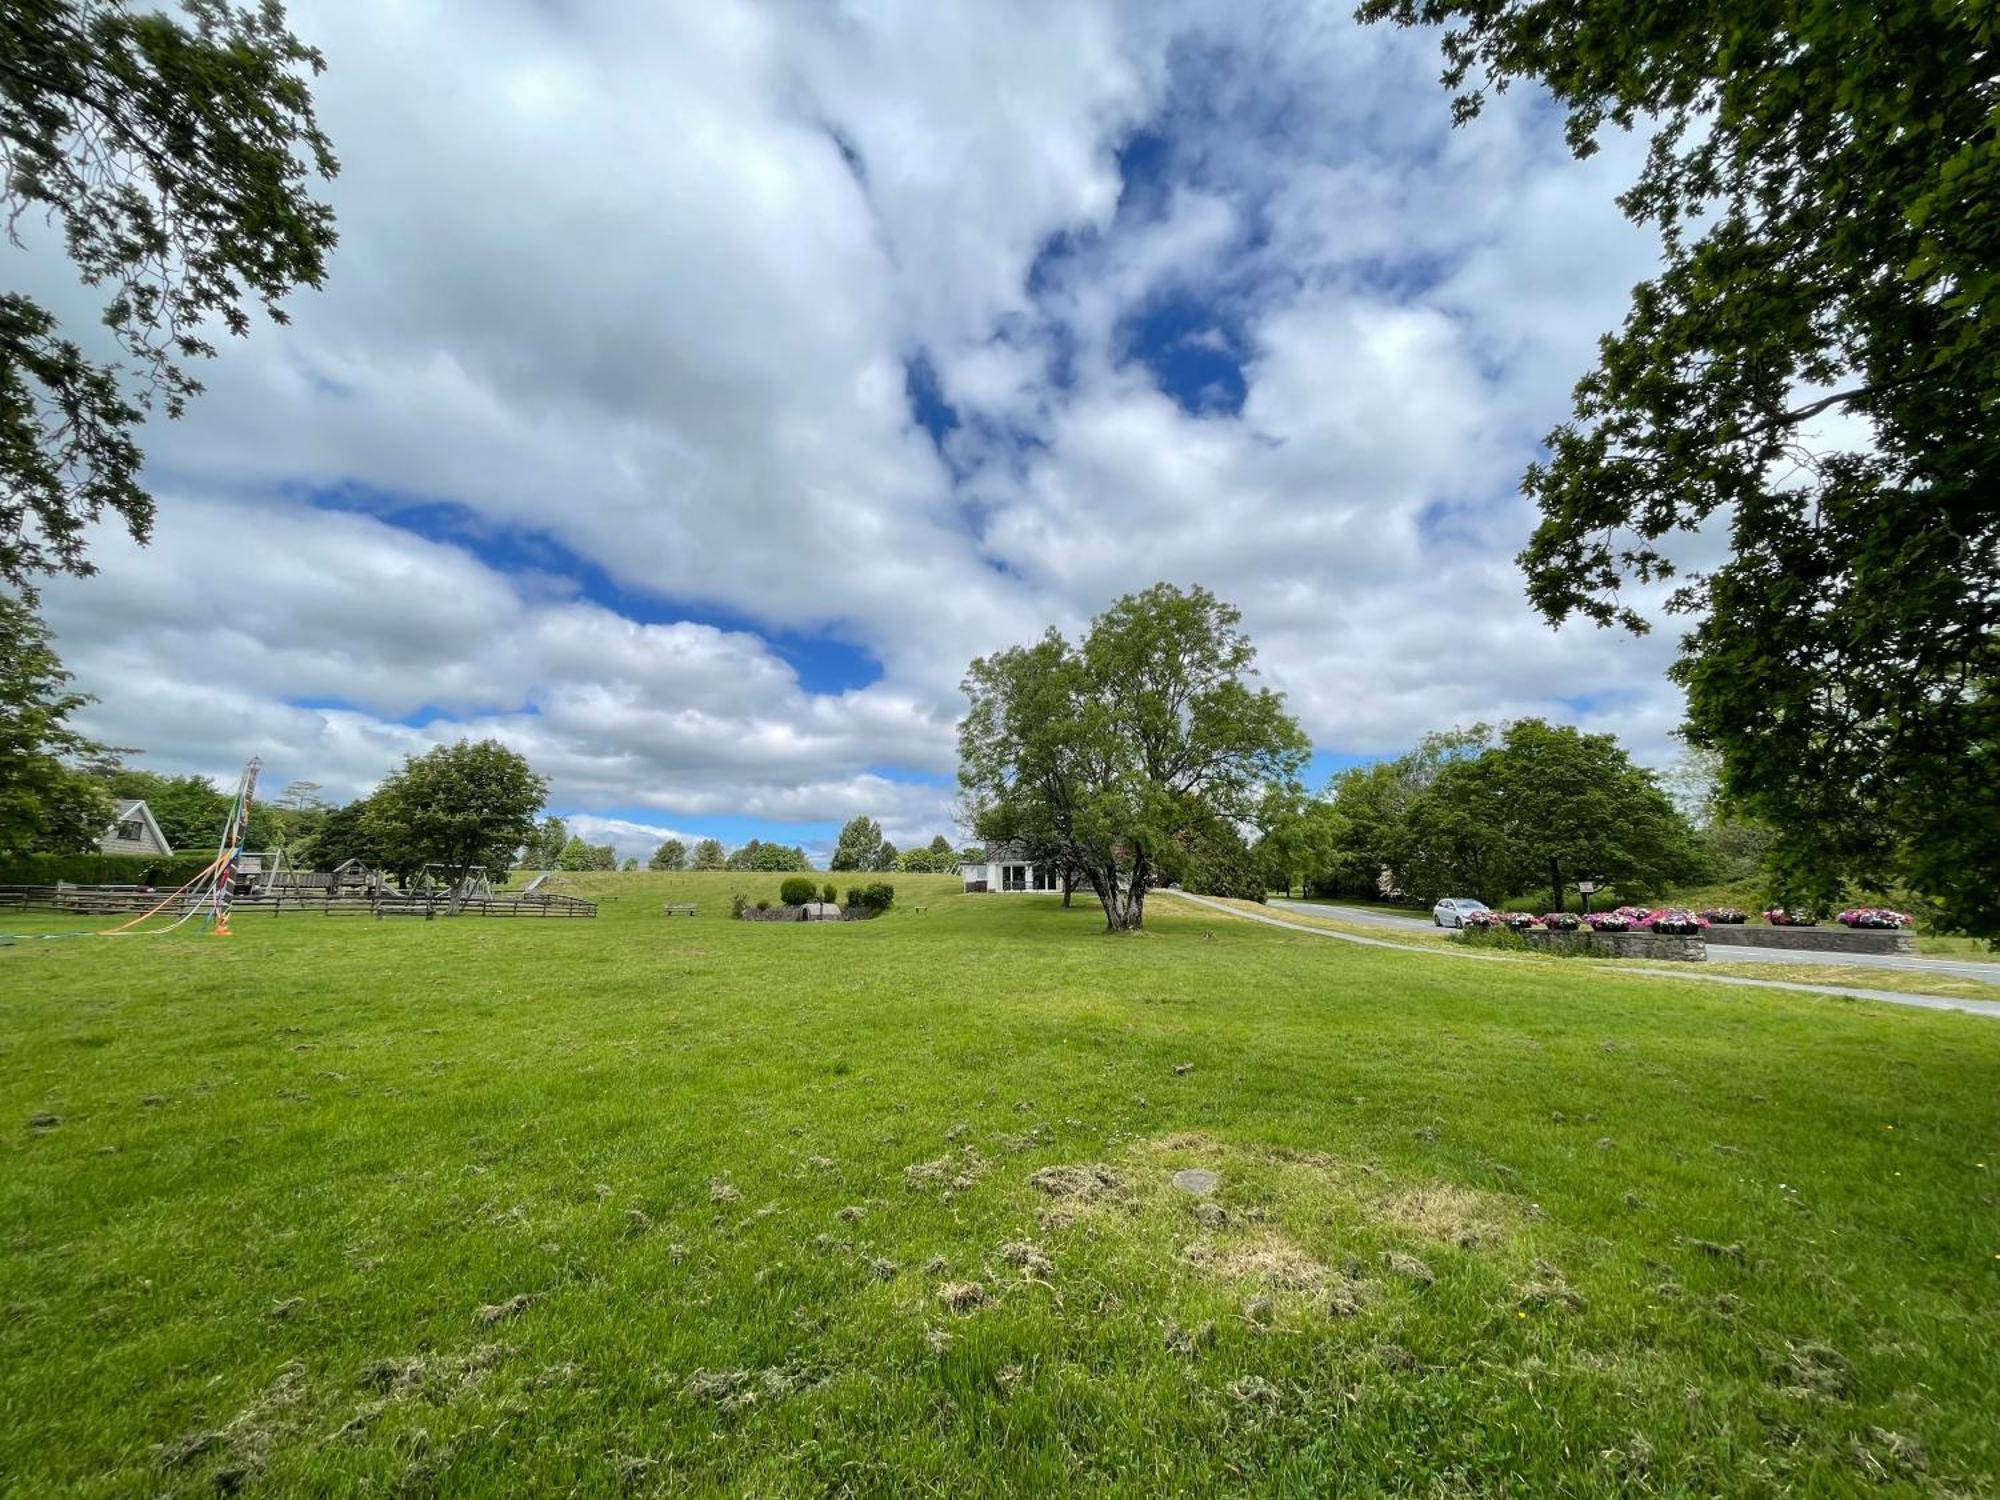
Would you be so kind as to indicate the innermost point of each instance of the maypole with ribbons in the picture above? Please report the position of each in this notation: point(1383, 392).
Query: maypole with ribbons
point(213, 888)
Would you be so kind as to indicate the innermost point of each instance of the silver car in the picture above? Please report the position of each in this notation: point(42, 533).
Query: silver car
point(1453, 910)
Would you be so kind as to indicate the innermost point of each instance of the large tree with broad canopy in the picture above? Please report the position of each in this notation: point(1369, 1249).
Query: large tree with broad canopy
point(1119, 751)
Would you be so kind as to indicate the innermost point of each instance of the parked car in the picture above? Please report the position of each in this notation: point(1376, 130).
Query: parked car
point(1453, 910)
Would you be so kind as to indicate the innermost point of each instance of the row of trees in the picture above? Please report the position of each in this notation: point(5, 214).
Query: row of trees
point(1469, 812)
point(861, 846)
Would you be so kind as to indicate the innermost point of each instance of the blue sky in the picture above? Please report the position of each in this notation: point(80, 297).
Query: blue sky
point(694, 393)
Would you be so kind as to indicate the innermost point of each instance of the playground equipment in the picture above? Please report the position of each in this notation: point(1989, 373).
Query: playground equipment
point(270, 884)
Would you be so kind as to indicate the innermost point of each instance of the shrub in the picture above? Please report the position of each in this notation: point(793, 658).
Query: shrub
point(103, 869)
point(738, 905)
point(853, 895)
point(1608, 921)
point(1724, 916)
point(763, 906)
point(1562, 921)
point(878, 898)
point(1490, 935)
point(828, 894)
point(797, 890)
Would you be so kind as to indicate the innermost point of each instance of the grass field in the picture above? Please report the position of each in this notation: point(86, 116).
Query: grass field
point(668, 1206)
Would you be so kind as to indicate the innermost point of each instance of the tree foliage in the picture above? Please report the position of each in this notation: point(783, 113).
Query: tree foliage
point(709, 855)
point(466, 807)
point(173, 153)
point(1825, 180)
point(344, 834)
point(672, 855)
point(859, 846)
point(191, 810)
point(1547, 805)
point(543, 848)
point(1120, 749)
point(48, 803)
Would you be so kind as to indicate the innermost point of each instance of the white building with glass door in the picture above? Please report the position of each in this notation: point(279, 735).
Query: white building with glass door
point(1006, 868)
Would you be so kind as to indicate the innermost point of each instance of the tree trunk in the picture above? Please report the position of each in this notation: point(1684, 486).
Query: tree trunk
point(1556, 883)
point(1069, 885)
point(1124, 907)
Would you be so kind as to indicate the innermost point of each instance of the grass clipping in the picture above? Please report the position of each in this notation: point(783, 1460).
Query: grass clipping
point(1285, 1232)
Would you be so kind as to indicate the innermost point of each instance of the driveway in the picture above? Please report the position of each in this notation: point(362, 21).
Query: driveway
point(1986, 971)
point(1367, 916)
point(1694, 972)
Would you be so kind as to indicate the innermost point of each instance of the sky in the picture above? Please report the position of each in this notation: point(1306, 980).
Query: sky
point(696, 390)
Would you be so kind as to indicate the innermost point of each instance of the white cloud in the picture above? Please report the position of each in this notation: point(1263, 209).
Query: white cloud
point(645, 279)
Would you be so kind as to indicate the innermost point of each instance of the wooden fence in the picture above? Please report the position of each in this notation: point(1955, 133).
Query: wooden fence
point(121, 900)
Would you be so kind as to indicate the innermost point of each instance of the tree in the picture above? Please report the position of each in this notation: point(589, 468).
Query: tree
point(941, 848)
point(778, 858)
point(708, 855)
point(1121, 748)
point(174, 153)
point(672, 855)
point(301, 796)
point(631, 863)
point(1371, 803)
point(342, 835)
point(859, 845)
point(1300, 839)
point(1824, 182)
point(1547, 803)
point(543, 848)
point(48, 804)
point(466, 807)
point(575, 855)
point(1217, 862)
point(885, 856)
point(1738, 848)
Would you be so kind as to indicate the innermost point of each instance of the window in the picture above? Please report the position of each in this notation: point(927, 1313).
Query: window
point(131, 830)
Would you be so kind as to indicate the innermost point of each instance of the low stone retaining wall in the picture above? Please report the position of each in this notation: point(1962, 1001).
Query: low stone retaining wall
point(1664, 946)
point(1832, 938)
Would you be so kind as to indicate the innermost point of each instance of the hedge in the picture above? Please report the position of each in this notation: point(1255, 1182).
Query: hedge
point(102, 869)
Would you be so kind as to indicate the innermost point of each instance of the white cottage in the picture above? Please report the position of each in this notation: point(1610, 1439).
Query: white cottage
point(1005, 868)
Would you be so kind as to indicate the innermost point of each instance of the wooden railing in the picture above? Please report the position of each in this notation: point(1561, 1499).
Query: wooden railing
point(113, 900)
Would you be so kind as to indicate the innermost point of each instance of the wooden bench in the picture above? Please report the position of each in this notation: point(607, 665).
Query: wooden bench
point(679, 908)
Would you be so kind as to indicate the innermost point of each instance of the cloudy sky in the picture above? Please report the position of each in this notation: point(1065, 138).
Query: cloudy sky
point(696, 389)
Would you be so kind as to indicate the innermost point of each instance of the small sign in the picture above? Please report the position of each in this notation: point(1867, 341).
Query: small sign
point(1586, 886)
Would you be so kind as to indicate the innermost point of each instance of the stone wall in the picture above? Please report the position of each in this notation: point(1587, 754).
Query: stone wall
point(1663, 946)
point(1830, 938)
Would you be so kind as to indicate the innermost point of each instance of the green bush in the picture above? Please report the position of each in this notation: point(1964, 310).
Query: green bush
point(738, 903)
point(853, 896)
point(878, 898)
point(102, 869)
point(828, 894)
point(763, 906)
point(797, 890)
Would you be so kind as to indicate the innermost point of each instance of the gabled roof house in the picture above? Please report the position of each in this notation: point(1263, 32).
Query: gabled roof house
point(134, 831)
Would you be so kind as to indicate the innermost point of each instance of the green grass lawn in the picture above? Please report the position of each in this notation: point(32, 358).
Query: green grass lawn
point(654, 1205)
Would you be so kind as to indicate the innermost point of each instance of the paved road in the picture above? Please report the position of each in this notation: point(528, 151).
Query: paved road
point(1694, 972)
point(1957, 968)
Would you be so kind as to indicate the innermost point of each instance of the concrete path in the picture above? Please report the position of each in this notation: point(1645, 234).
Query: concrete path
point(1692, 972)
point(1958, 968)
